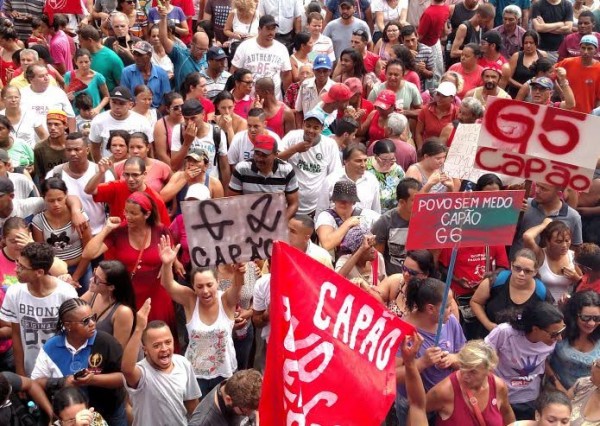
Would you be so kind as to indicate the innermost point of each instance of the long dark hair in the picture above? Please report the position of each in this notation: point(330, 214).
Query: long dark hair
point(573, 308)
point(117, 276)
point(66, 397)
point(356, 58)
point(236, 76)
point(423, 291)
point(540, 314)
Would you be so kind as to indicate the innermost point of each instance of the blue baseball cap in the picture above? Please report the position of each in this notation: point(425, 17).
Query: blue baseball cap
point(589, 39)
point(544, 82)
point(322, 62)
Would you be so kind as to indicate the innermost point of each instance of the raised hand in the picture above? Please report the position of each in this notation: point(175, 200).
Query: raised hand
point(142, 315)
point(167, 253)
point(113, 223)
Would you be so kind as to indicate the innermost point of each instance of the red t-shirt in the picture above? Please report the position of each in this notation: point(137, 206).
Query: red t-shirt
point(497, 63)
point(584, 81)
point(472, 79)
point(368, 107)
point(470, 264)
point(432, 22)
point(370, 60)
point(586, 285)
point(115, 194)
point(433, 125)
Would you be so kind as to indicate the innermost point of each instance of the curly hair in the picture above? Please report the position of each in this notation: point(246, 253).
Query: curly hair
point(573, 308)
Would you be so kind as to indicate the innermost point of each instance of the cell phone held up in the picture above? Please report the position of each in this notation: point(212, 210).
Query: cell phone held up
point(122, 41)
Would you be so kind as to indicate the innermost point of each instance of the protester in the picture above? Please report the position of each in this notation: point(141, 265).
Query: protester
point(476, 361)
point(27, 127)
point(587, 259)
point(429, 171)
point(509, 290)
point(134, 241)
point(523, 344)
point(550, 407)
point(111, 298)
point(438, 357)
point(557, 270)
point(210, 317)
point(161, 376)
point(576, 353)
point(71, 404)
point(44, 294)
point(95, 368)
point(583, 396)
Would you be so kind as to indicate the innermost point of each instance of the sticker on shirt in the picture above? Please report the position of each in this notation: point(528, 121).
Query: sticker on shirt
point(95, 363)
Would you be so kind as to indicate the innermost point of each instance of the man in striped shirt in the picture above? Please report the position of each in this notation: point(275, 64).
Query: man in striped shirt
point(265, 173)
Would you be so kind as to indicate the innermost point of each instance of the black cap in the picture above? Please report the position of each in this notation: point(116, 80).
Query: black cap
point(493, 37)
point(348, 2)
point(192, 107)
point(122, 93)
point(267, 21)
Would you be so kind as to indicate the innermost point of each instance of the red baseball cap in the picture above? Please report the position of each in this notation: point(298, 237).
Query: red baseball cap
point(492, 67)
point(338, 92)
point(265, 144)
point(385, 100)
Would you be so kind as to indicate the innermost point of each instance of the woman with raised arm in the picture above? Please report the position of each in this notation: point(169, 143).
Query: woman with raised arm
point(210, 316)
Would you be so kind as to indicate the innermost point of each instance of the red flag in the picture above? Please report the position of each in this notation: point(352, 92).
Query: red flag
point(332, 349)
point(63, 6)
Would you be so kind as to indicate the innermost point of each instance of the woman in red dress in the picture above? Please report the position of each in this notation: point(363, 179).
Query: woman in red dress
point(135, 243)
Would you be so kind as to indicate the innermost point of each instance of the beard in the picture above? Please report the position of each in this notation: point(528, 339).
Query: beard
point(489, 86)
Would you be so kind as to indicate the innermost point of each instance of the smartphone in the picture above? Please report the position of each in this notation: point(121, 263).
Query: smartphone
point(122, 41)
point(80, 373)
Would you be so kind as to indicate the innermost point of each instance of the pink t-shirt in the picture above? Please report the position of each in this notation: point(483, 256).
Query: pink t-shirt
point(8, 271)
point(60, 50)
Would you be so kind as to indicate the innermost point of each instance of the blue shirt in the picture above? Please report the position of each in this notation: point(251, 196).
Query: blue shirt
point(158, 82)
point(184, 64)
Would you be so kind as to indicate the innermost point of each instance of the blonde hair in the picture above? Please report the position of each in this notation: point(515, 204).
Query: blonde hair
point(244, 5)
point(477, 353)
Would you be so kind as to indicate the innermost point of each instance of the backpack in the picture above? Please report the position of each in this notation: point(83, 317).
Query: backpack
point(16, 414)
point(503, 277)
point(339, 221)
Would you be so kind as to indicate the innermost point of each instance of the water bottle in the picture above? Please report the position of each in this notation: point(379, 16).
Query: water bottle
point(34, 410)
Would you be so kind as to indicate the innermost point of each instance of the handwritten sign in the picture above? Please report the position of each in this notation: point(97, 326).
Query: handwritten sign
point(234, 229)
point(469, 219)
point(540, 143)
point(461, 155)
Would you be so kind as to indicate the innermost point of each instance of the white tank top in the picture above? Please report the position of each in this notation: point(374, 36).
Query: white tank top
point(246, 29)
point(211, 350)
point(557, 285)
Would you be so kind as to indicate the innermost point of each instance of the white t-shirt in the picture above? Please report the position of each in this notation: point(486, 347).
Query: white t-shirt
point(24, 130)
point(206, 143)
point(95, 211)
point(40, 103)
point(389, 13)
point(25, 208)
point(264, 61)
point(23, 186)
point(242, 149)
point(103, 123)
point(367, 188)
point(312, 167)
point(37, 316)
point(158, 398)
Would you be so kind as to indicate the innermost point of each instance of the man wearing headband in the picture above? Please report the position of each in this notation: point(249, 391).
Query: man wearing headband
point(491, 77)
point(40, 97)
point(51, 152)
point(115, 194)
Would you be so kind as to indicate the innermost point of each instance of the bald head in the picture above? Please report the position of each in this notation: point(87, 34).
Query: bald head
point(265, 85)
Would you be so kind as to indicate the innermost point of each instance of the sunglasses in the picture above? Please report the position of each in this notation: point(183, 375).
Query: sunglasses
point(86, 321)
point(410, 272)
point(588, 318)
point(556, 334)
point(176, 107)
point(518, 269)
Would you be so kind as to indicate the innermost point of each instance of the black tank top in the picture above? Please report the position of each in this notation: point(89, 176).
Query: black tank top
point(460, 15)
point(522, 74)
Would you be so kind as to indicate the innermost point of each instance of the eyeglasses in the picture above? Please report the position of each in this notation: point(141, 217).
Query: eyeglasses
point(176, 107)
point(410, 272)
point(129, 1)
point(86, 321)
point(195, 46)
point(21, 266)
point(556, 334)
point(248, 82)
point(518, 269)
point(588, 318)
point(386, 160)
point(97, 280)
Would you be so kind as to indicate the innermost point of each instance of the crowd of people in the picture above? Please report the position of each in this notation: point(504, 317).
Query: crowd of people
point(111, 119)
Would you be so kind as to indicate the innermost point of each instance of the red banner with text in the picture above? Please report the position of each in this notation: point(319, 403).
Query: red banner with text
point(52, 7)
point(332, 349)
point(539, 143)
